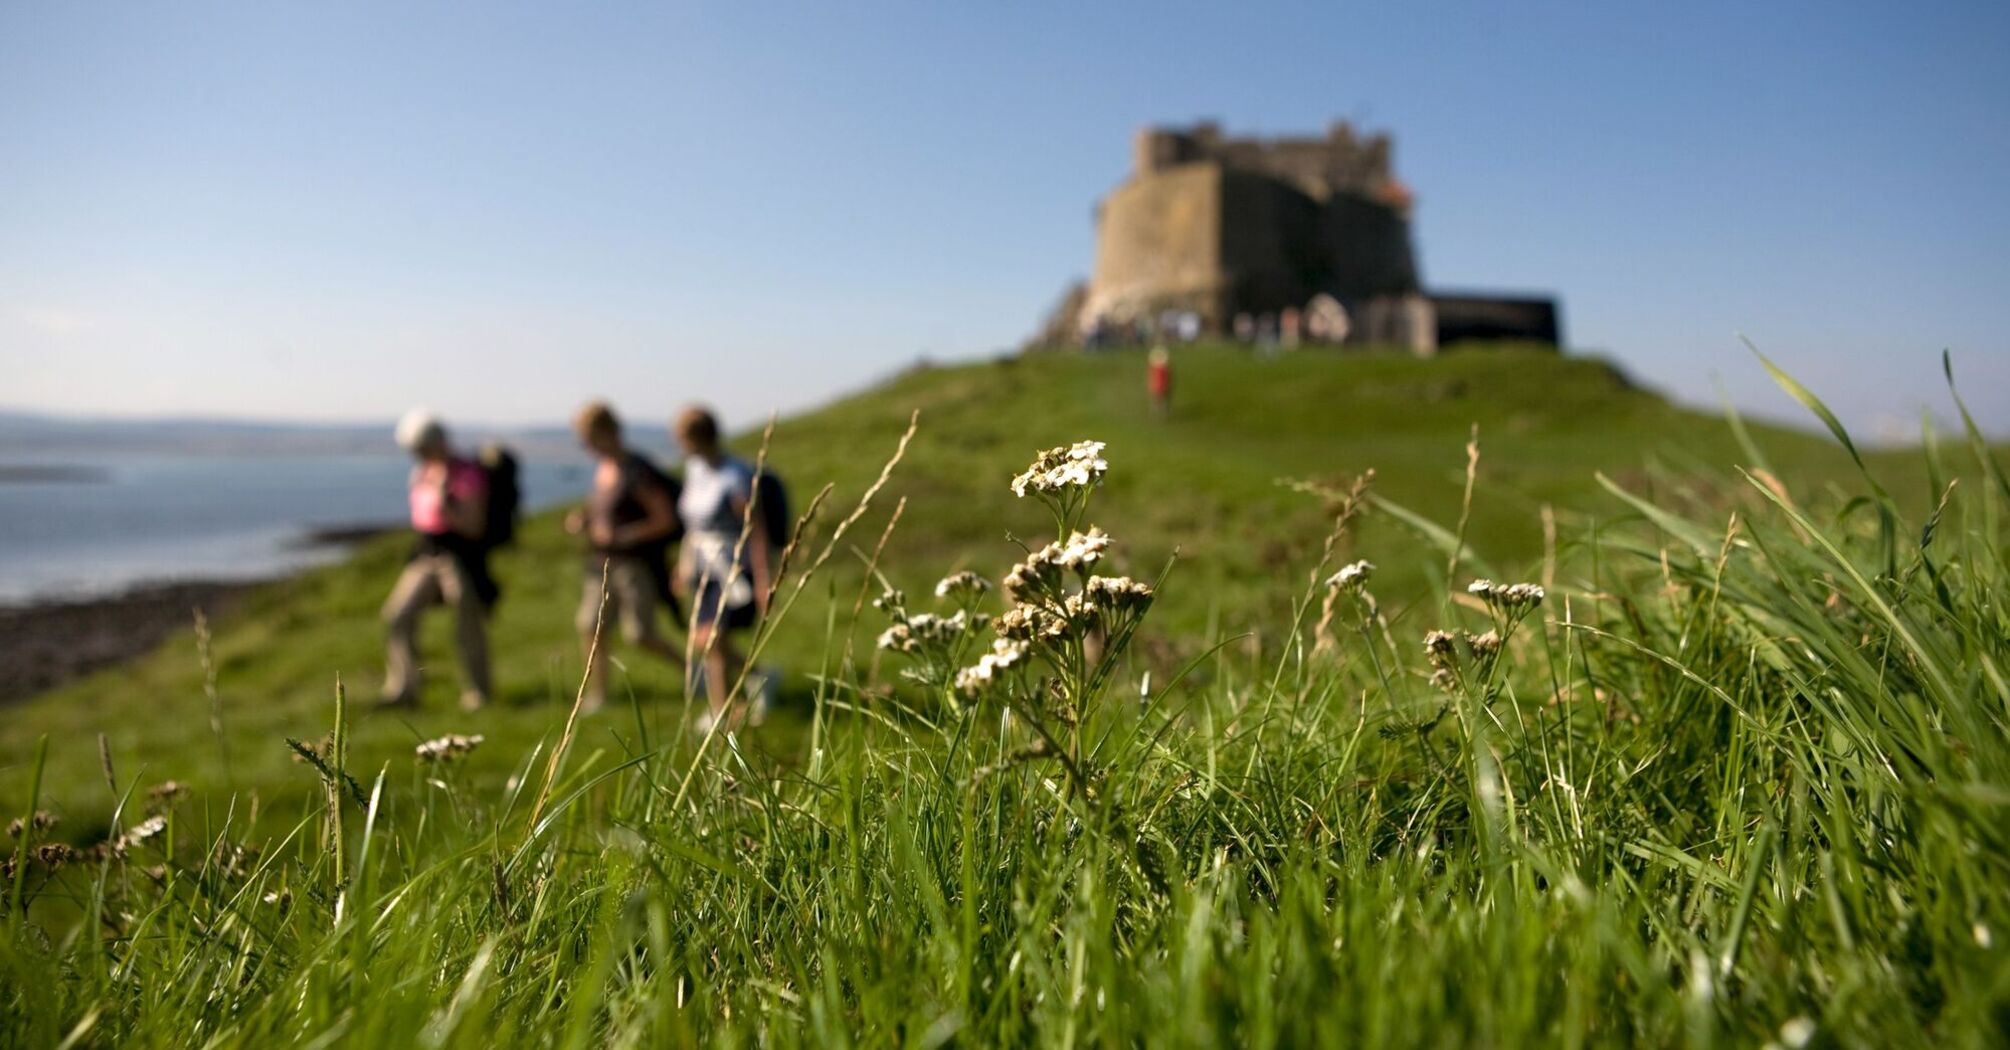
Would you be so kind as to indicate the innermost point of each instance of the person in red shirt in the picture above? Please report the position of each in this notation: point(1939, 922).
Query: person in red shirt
point(1158, 381)
point(448, 497)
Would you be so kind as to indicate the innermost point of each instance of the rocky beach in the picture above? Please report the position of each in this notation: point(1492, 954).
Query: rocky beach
point(51, 641)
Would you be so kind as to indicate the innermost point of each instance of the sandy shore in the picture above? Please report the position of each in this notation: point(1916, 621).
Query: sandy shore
point(47, 643)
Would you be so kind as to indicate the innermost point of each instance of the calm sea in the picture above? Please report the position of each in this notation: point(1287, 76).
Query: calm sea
point(82, 522)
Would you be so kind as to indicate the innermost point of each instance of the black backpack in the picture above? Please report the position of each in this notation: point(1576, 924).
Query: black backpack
point(672, 485)
point(771, 501)
point(658, 554)
point(505, 495)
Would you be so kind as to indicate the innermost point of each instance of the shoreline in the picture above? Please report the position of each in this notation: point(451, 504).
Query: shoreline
point(47, 642)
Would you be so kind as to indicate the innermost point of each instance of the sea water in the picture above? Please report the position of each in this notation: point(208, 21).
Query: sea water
point(92, 522)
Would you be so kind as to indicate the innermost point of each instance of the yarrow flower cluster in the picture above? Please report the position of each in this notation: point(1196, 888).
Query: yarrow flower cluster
point(1103, 601)
point(1117, 594)
point(1079, 466)
point(1032, 623)
point(144, 830)
point(962, 585)
point(1506, 597)
point(1057, 613)
point(166, 794)
point(1507, 604)
point(912, 631)
point(1442, 650)
point(1351, 577)
point(1041, 571)
point(978, 677)
point(43, 820)
point(447, 748)
point(1083, 549)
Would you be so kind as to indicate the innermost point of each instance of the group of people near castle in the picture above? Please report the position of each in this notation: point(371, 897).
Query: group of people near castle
point(654, 542)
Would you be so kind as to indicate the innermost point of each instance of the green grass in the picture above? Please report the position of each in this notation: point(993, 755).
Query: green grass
point(1729, 777)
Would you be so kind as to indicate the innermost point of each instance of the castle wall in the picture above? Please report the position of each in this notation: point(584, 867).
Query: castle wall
point(1158, 246)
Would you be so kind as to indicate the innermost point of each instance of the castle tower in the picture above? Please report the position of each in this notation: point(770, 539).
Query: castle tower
point(1222, 226)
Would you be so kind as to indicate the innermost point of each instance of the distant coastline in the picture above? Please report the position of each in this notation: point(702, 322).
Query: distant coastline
point(50, 641)
point(33, 473)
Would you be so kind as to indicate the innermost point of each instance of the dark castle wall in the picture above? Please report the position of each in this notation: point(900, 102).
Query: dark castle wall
point(1370, 253)
point(1271, 249)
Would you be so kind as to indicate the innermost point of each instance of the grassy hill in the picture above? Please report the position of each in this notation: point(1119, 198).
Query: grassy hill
point(1204, 483)
point(1734, 775)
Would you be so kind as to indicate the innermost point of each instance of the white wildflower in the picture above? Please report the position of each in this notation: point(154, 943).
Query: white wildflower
point(1040, 571)
point(1503, 596)
point(447, 748)
point(1084, 548)
point(897, 638)
point(1351, 577)
point(930, 629)
point(1117, 593)
point(1029, 623)
point(144, 830)
point(962, 584)
point(1438, 645)
point(1797, 1032)
point(1079, 466)
point(1004, 653)
point(43, 820)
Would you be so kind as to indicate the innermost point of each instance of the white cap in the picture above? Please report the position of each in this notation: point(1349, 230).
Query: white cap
point(419, 428)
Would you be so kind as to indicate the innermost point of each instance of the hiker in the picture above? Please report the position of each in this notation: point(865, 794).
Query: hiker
point(449, 498)
point(727, 580)
point(630, 524)
point(1158, 381)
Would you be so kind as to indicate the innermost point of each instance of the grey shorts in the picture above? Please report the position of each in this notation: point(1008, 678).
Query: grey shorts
point(630, 597)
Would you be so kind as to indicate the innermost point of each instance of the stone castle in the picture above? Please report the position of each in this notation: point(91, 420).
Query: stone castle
point(1227, 234)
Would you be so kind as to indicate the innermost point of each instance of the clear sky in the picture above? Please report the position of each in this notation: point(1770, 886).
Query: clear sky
point(336, 210)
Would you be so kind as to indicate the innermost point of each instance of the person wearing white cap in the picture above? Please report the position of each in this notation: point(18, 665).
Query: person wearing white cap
point(449, 508)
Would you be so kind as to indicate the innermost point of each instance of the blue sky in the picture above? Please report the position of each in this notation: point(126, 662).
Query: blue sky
point(335, 211)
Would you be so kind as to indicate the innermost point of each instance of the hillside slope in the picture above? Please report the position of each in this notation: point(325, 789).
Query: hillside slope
point(1204, 482)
